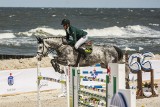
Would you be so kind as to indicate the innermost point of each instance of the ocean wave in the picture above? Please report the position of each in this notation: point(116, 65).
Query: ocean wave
point(7, 35)
point(6, 31)
point(40, 32)
point(153, 24)
point(9, 43)
point(110, 32)
point(106, 32)
point(54, 15)
point(11, 15)
point(22, 41)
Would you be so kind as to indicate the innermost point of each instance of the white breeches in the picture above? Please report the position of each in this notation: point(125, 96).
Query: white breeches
point(81, 41)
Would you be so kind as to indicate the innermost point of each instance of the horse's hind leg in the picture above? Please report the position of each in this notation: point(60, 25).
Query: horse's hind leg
point(103, 65)
point(127, 71)
point(115, 60)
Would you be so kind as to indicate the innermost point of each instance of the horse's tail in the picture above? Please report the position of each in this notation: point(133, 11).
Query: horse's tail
point(120, 53)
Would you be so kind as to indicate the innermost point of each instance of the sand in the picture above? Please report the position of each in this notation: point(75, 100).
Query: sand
point(23, 63)
point(32, 63)
point(50, 98)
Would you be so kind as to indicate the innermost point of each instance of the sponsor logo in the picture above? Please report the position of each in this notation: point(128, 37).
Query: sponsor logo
point(10, 80)
point(94, 74)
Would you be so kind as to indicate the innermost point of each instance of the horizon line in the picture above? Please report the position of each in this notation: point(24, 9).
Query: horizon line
point(82, 7)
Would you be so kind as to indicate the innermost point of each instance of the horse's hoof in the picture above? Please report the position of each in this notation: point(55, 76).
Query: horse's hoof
point(72, 65)
point(61, 71)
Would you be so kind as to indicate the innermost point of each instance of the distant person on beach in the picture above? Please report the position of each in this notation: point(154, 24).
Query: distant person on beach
point(75, 37)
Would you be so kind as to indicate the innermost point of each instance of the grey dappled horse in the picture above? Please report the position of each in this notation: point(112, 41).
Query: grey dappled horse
point(66, 55)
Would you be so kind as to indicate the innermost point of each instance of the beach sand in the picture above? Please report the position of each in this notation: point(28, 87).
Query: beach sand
point(50, 98)
point(23, 63)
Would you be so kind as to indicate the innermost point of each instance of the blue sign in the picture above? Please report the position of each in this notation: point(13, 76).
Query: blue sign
point(94, 74)
point(10, 80)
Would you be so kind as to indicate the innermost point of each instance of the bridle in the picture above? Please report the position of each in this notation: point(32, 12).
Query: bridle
point(49, 49)
point(43, 46)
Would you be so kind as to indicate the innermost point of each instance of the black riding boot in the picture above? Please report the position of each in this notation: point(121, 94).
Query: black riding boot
point(82, 52)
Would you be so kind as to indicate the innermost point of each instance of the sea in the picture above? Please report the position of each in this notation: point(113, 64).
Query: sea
point(127, 28)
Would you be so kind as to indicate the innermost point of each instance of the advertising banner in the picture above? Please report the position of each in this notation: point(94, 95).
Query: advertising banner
point(25, 80)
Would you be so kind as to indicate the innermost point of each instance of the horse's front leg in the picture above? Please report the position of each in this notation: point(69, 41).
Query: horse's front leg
point(71, 63)
point(56, 66)
point(70, 60)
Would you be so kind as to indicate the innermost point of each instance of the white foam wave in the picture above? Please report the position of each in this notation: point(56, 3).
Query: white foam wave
point(10, 43)
point(107, 32)
point(152, 24)
point(53, 15)
point(7, 35)
point(11, 15)
point(25, 41)
point(50, 31)
point(38, 32)
point(124, 32)
point(110, 32)
point(141, 31)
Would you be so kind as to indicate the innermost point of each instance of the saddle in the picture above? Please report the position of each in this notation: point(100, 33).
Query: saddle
point(87, 46)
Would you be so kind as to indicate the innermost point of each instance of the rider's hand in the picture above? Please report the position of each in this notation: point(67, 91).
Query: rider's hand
point(65, 42)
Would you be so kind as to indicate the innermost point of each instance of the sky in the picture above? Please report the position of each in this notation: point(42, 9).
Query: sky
point(82, 3)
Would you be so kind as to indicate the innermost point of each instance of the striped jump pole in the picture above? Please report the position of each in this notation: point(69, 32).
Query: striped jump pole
point(75, 89)
point(107, 82)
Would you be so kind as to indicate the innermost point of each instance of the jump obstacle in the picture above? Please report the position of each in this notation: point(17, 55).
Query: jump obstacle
point(39, 85)
point(137, 67)
point(114, 88)
point(113, 93)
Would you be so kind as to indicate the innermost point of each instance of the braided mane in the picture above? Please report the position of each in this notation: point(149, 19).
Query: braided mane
point(54, 37)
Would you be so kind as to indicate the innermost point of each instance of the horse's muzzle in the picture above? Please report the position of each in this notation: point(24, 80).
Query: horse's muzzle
point(39, 56)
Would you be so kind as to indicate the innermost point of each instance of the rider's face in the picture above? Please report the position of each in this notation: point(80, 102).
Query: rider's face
point(65, 26)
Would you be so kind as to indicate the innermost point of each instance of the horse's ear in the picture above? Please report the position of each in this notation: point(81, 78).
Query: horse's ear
point(40, 40)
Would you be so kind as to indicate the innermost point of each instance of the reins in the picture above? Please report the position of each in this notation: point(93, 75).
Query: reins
point(58, 47)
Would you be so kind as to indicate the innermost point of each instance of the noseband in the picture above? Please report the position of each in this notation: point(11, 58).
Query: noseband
point(41, 53)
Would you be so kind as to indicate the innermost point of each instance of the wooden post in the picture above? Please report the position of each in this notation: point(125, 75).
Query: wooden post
point(139, 82)
point(152, 82)
point(126, 57)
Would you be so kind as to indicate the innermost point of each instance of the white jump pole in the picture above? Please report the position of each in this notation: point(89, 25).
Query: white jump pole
point(68, 78)
point(38, 84)
point(63, 86)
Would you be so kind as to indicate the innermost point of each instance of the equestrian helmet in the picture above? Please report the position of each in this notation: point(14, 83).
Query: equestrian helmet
point(65, 21)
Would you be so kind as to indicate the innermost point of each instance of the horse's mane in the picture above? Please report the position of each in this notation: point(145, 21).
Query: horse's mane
point(52, 37)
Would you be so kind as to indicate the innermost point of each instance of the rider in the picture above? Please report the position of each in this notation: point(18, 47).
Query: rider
point(75, 37)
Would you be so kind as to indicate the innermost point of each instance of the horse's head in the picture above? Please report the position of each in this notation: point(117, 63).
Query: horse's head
point(42, 48)
point(45, 45)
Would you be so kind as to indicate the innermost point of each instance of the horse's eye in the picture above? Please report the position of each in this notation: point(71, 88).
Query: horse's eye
point(40, 47)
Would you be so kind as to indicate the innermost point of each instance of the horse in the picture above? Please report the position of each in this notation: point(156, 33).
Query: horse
point(66, 54)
